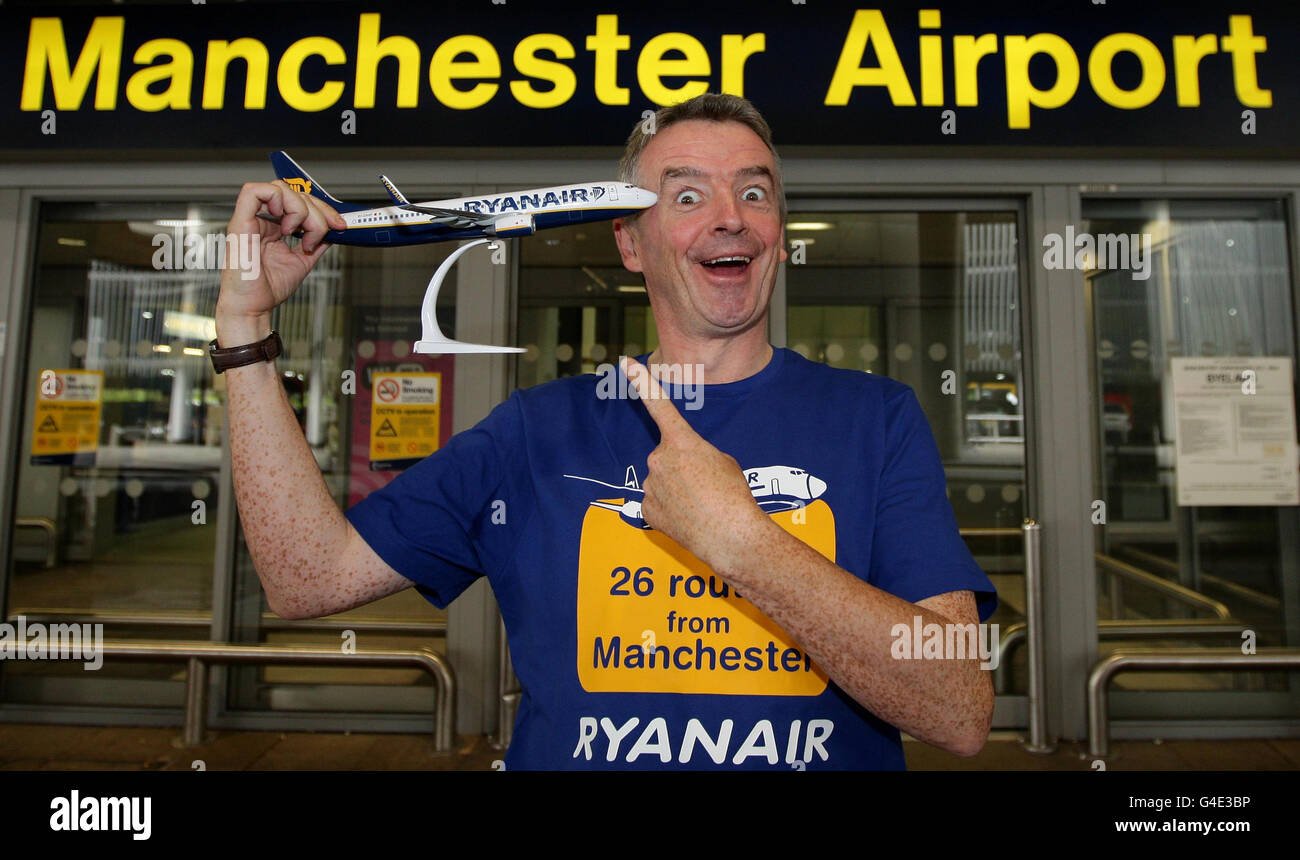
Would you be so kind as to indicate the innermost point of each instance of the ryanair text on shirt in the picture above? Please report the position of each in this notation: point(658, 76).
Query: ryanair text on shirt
point(37, 641)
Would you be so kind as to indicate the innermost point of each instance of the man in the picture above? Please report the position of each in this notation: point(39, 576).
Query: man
point(703, 588)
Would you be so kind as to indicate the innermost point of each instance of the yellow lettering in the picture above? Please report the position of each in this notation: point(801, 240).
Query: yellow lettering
point(288, 75)
point(528, 63)
point(967, 51)
point(931, 59)
point(1243, 44)
point(606, 43)
point(370, 50)
point(651, 68)
point(180, 71)
point(1188, 52)
point(47, 50)
point(736, 49)
point(1100, 63)
point(1021, 93)
point(257, 62)
point(869, 24)
point(444, 68)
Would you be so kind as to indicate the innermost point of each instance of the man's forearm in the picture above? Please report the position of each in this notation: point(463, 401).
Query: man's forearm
point(291, 523)
point(845, 625)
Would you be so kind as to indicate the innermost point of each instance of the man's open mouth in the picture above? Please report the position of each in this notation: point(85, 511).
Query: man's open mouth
point(730, 264)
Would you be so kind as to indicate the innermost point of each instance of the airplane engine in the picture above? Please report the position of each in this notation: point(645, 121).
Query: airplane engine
point(513, 225)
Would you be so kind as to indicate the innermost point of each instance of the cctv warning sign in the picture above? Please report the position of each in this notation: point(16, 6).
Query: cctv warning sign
point(66, 418)
point(404, 418)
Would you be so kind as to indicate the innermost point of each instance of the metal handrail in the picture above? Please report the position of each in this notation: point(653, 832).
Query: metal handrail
point(1172, 590)
point(46, 525)
point(1112, 628)
point(1031, 532)
point(1220, 659)
point(1037, 692)
point(269, 621)
point(200, 654)
point(1242, 592)
point(990, 531)
point(508, 691)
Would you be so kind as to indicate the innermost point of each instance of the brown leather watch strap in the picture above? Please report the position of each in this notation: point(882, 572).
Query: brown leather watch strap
point(224, 358)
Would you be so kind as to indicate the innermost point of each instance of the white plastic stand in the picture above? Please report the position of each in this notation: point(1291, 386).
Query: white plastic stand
point(432, 339)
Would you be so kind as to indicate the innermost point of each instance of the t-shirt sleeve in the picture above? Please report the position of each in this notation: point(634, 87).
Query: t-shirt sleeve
point(917, 551)
point(429, 521)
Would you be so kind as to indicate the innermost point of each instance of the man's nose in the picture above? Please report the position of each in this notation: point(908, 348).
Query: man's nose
point(728, 217)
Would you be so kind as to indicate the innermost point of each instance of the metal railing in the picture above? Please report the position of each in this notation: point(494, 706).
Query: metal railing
point(269, 621)
point(1219, 659)
point(1180, 593)
point(199, 654)
point(1110, 628)
point(508, 692)
point(46, 525)
point(1238, 590)
point(1031, 532)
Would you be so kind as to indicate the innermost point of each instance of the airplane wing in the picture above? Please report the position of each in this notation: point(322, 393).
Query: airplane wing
point(453, 217)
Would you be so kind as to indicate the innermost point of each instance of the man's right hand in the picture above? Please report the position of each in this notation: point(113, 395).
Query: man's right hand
point(243, 313)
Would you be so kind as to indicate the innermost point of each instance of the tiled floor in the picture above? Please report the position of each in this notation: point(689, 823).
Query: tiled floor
point(30, 747)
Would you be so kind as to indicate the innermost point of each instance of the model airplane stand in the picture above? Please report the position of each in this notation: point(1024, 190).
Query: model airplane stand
point(432, 339)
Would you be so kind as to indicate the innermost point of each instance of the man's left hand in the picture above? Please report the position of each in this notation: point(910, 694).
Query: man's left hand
point(694, 493)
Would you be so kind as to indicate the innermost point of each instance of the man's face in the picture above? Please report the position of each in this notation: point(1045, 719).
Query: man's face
point(709, 249)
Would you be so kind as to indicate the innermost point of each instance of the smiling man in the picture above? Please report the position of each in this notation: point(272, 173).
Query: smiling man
point(713, 588)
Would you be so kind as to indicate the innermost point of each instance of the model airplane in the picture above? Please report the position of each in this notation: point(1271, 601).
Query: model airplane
point(513, 213)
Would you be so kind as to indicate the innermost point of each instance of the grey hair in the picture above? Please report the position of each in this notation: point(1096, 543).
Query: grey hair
point(715, 107)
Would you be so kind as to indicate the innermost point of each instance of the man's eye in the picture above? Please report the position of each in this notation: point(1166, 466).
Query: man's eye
point(755, 194)
point(688, 197)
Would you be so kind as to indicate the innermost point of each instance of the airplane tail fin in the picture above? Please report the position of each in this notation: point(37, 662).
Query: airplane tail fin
point(398, 197)
point(288, 170)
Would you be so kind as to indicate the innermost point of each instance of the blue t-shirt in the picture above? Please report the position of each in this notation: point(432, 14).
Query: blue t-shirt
point(631, 653)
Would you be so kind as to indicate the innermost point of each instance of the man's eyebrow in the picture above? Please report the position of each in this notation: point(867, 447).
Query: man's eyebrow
point(674, 172)
point(755, 170)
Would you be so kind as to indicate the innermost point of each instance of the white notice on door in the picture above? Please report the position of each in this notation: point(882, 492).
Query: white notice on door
point(1236, 437)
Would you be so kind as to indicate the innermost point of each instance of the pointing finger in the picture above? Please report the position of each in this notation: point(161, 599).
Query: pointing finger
point(656, 401)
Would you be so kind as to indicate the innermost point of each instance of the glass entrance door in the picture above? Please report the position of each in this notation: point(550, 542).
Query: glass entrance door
point(930, 294)
point(1210, 554)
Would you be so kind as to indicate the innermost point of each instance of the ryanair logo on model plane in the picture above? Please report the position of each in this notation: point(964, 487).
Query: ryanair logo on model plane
point(536, 201)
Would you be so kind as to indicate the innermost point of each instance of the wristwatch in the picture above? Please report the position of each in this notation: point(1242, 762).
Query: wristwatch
point(224, 358)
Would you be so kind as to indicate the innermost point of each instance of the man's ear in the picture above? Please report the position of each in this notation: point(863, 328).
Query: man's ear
point(625, 236)
point(784, 254)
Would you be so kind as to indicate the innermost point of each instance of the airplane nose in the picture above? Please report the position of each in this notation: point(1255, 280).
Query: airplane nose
point(646, 198)
point(816, 486)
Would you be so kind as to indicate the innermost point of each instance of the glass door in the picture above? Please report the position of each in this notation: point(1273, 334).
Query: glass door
point(1190, 555)
point(930, 294)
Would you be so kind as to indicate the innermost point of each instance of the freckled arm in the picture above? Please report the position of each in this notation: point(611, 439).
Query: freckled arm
point(310, 559)
point(844, 624)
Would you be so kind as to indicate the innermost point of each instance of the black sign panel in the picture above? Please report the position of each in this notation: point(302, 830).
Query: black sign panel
point(531, 74)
